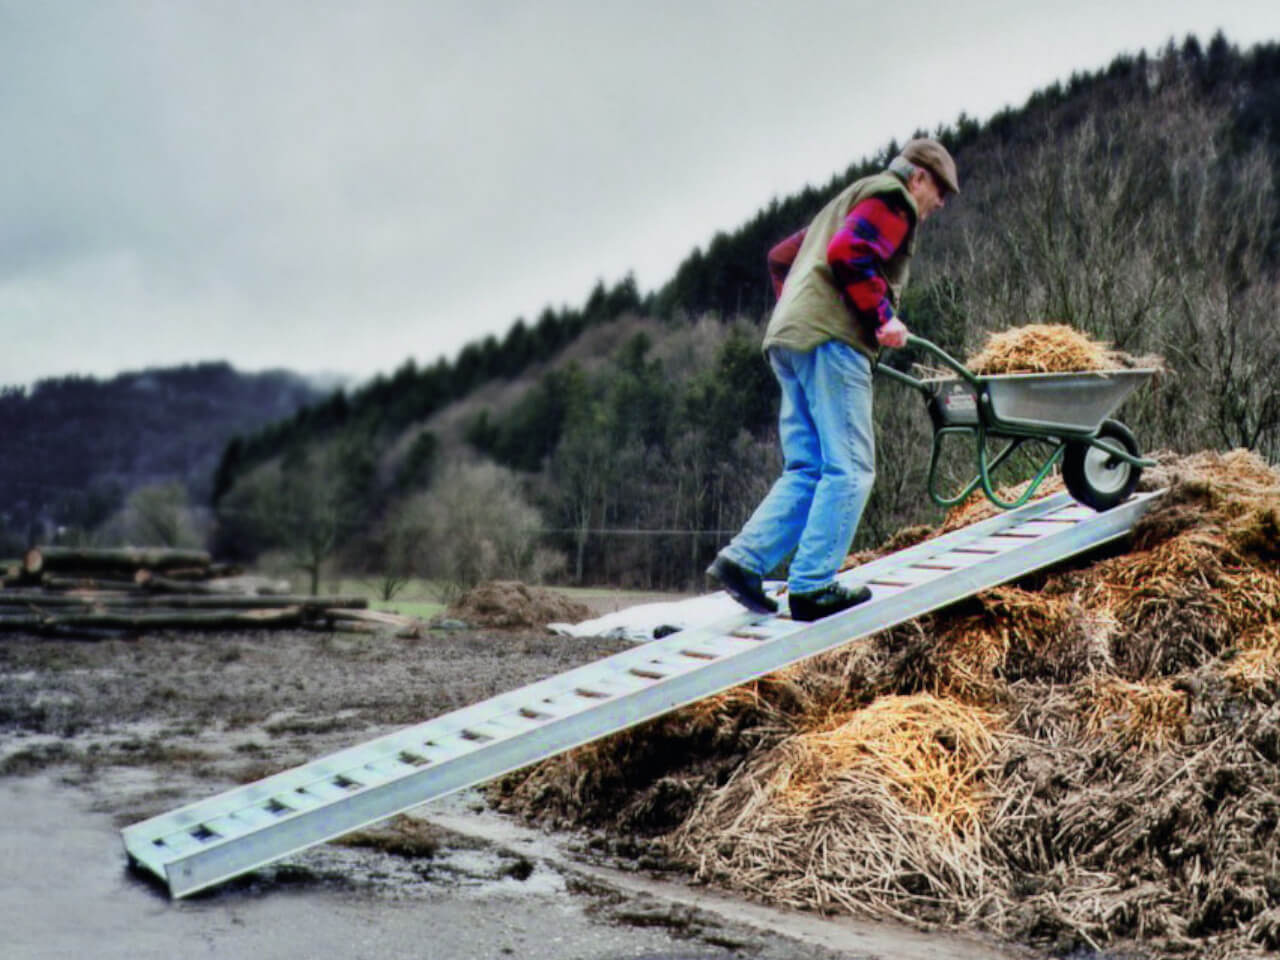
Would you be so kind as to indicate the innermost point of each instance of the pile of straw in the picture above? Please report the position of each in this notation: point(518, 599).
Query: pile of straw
point(1087, 760)
point(1048, 348)
point(871, 812)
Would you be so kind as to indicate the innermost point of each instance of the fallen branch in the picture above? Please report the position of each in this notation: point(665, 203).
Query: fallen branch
point(373, 616)
point(371, 620)
point(347, 626)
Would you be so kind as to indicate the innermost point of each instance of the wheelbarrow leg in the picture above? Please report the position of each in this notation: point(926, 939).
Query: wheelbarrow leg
point(986, 467)
point(985, 471)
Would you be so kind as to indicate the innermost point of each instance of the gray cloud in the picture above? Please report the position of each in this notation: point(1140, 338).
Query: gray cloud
point(331, 185)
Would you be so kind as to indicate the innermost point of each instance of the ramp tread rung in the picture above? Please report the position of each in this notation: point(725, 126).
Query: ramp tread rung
point(1073, 511)
point(613, 684)
point(225, 828)
point(669, 665)
point(913, 574)
point(776, 628)
point(324, 790)
point(382, 771)
point(1000, 545)
point(442, 750)
point(180, 842)
point(956, 560)
point(883, 591)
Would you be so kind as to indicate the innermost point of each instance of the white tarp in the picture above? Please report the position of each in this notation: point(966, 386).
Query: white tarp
point(639, 622)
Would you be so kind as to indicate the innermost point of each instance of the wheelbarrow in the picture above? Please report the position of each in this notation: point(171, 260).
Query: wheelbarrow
point(1069, 412)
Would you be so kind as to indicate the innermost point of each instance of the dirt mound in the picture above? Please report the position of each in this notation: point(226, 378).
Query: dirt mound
point(1086, 760)
point(509, 603)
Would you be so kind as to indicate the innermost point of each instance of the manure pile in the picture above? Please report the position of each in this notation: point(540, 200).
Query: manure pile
point(1086, 760)
point(512, 604)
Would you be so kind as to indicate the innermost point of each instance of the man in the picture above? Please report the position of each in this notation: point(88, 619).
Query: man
point(837, 283)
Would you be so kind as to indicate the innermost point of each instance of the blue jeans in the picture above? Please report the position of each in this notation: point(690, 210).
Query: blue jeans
point(828, 443)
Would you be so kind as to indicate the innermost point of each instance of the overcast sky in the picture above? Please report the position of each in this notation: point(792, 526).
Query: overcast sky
point(338, 186)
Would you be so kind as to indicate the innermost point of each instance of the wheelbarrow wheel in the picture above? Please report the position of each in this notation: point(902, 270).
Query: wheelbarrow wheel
point(1099, 479)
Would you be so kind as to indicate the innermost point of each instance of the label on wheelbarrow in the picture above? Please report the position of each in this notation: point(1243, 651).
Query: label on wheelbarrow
point(959, 405)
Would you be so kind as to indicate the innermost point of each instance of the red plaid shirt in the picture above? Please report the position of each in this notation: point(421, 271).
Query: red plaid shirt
point(872, 233)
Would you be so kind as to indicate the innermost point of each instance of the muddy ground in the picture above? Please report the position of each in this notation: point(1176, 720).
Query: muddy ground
point(96, 734)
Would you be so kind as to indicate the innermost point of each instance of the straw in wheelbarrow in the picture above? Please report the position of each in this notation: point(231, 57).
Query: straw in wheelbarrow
point(1050, 348)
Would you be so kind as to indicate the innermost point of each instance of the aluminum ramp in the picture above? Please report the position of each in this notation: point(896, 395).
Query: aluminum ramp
point(226, 835)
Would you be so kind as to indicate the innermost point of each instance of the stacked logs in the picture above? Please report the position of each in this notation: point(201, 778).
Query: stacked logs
point(88, 590)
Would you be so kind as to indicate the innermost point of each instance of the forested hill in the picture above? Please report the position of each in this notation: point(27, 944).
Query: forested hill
point(628, 437)
point(73, 447)
point(1241, 89)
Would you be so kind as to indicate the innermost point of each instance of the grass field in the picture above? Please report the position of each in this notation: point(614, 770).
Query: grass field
point(417, 598)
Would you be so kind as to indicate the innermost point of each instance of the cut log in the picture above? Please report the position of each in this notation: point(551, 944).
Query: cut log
point(190, 574)
point(223, 586)
point(233, 602)
point(31, 599)
point(15, 575)
point(185, 620)
point(64, 559)
point(251, 585)
point(50, 582)
point(120, 600)
point(154, 583)
point(20, 621)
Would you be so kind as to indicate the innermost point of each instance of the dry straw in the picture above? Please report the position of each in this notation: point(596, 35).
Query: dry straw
point(1257, 666)
point(1049, 348)
point(873, 811)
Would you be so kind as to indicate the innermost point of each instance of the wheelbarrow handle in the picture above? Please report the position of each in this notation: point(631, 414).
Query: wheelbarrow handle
point(946, 358)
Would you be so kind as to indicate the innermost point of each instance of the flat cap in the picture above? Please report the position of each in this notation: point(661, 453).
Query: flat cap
point(934, 157)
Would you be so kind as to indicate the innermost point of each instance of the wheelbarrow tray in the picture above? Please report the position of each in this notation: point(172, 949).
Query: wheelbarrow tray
point(1035, 403)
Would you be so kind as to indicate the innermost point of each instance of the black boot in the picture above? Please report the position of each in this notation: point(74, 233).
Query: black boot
point(741, 584)
point(822, 603)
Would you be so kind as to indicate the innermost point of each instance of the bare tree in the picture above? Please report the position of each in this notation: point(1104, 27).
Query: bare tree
point(157, 515)
point(305, 504)
point(474, 524)
point(582, 471)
